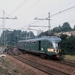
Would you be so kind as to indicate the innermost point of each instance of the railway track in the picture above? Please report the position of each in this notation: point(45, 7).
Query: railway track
point(67, 62)
point(41, 67)
point(36, 65)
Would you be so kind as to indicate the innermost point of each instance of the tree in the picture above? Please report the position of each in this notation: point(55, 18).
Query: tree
point(12, 37)
point(66, 27)
point(74, 27)
point(67, 44)
point(56, 29)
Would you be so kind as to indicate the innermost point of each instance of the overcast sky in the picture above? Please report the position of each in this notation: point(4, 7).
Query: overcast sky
point(27, 10)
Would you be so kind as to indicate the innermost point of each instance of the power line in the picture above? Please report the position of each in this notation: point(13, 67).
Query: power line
point(28, 8)
point(24, 11)
point(63, 11)
point(49, 26)
point(29, 24)
point(64, 5)
point(55, 14)
point(19, 7)
point(38, 26)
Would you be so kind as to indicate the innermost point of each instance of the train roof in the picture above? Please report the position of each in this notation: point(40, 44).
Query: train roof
point(49, 38)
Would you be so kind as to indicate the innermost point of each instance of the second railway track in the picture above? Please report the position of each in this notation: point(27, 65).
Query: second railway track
point(41, 67)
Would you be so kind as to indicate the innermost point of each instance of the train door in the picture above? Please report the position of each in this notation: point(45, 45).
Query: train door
point(39, 45)
point(44, 46)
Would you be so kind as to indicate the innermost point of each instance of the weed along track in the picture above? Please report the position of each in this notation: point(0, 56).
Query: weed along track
point(47, 66)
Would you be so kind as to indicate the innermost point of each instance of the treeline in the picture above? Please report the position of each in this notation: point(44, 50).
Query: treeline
point(67, 45)
point(12, 37)
point(64, 28)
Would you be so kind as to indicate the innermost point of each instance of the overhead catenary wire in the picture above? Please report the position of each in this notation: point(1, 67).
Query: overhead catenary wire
point(38, 26)
point(38, 2)
point(51, 15)
point(55, 14)
point(28, 8)
point(28, 24)
point(16, 9)
point(61, 6)
point(63, 11)
point(24, 11)
point(60, 12)
point(46, 26)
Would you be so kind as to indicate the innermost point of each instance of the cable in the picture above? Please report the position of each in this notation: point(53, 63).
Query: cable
point(38, 26)
point(28, 8)
point(51, 15)
point(56, 13)
point(62, 11)
point(29, 24)
point(64, 5)
point(19, 7)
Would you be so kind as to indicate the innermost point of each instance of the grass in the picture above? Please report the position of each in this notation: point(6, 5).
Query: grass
point(69, 57)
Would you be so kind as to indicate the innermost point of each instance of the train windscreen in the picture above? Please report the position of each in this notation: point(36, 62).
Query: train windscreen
point(55, 45)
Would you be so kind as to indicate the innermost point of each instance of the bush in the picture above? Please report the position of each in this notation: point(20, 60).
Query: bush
point(67, 44)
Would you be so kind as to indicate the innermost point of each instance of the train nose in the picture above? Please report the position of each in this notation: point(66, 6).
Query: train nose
point(57, 56)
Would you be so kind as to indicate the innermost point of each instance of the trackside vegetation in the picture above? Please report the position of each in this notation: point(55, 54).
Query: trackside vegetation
point(67, 45)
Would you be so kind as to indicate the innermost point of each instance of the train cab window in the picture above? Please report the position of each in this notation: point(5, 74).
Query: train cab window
point(55, 45)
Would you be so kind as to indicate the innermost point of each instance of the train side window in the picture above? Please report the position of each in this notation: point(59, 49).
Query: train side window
point(25, 43)
point(50, 44)
point(34, 42)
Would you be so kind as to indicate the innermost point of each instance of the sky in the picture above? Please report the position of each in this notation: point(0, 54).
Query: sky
point(27, 10)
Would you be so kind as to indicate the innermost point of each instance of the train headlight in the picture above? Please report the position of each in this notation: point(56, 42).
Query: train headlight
point(50, 50)
point(59, 50)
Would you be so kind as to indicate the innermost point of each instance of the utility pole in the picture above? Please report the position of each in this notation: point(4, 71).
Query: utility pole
point(49, 31)
point(3, 27)
point(3, 24)
point(29, 32)
point(49, 26)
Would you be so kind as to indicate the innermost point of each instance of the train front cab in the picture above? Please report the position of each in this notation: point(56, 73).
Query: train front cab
point(50, 48)
point(54, 50)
